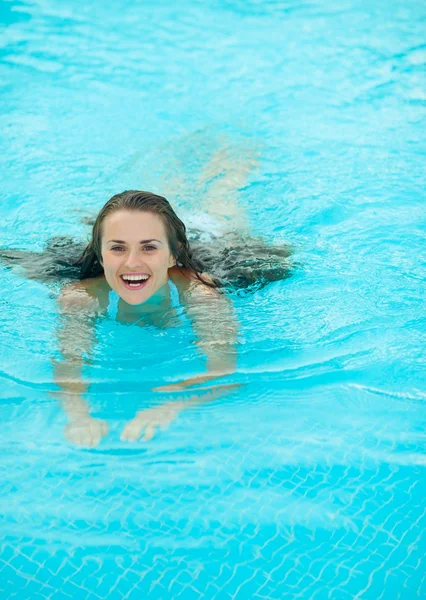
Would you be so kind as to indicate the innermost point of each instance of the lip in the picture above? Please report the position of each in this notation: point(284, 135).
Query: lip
point(134, 288)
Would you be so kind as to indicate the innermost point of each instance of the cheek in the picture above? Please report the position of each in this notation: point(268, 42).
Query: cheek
point(109, 263)
point(160, 262)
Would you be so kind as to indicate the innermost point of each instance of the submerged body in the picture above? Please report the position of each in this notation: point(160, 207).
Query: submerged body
point(83, 303)
point(140, 269)
point(141, 284)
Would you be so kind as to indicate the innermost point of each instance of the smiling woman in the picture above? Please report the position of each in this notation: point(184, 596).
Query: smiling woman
point(139, 268)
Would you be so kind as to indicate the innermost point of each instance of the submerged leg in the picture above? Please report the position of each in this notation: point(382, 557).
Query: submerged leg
point(202, 173)
point(220, 183)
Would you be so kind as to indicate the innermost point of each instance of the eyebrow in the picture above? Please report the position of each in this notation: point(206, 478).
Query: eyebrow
point(141, 242)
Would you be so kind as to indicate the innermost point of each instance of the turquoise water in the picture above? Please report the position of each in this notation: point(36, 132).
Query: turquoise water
point(308, 482)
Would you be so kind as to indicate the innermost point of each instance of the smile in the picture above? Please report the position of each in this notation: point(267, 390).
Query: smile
point(135, 281)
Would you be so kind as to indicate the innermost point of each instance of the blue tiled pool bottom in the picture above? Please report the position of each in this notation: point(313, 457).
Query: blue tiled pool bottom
point(305, 507)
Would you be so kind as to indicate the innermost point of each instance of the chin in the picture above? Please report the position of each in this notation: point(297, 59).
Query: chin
point(134, 299)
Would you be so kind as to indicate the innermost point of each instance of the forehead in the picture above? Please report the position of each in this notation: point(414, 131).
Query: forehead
point(133, 226)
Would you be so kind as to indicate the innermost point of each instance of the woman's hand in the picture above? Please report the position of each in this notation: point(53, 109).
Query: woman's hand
point(86, 431)
point(161, 416)
point(147, 421)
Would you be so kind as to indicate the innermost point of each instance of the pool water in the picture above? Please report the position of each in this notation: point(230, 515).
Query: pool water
point(308, 481)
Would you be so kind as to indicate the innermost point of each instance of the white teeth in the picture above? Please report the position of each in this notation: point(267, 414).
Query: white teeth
point(135, 277)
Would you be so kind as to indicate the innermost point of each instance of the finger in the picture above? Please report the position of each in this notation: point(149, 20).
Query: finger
point(131, 432)
point(95, 436)
point(166, 424)
point(75, 436)
point(69, 436)
point(149, 432)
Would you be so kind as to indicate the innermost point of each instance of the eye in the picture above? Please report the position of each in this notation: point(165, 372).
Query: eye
point(149, 248)
point(117, 248)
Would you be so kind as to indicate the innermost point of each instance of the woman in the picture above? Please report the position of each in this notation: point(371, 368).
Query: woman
point(138, 267)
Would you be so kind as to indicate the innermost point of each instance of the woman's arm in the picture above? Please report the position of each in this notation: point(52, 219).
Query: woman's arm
point(216, 330)
point(147, 421)
point(76, 337)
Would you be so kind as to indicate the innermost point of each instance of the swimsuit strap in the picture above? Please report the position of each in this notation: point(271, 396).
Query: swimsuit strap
point(174, 294)
point(114, 299)
point(176, 303)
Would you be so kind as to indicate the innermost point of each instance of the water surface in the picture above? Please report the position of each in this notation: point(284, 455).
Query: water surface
point(309, 481)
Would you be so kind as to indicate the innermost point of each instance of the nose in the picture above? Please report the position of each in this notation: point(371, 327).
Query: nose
point(133, 259)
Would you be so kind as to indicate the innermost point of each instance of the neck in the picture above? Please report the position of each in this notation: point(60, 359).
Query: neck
point(158, 302)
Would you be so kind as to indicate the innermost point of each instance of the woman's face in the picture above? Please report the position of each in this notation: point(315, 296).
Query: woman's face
point(135, 254)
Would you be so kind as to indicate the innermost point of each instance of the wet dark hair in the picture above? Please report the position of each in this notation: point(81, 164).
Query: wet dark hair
point(242, 262)
point(90, 261)
point(234, 260)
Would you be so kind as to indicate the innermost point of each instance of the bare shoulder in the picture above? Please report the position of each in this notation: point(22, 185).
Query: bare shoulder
point(187, 281)
point(87, 294)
